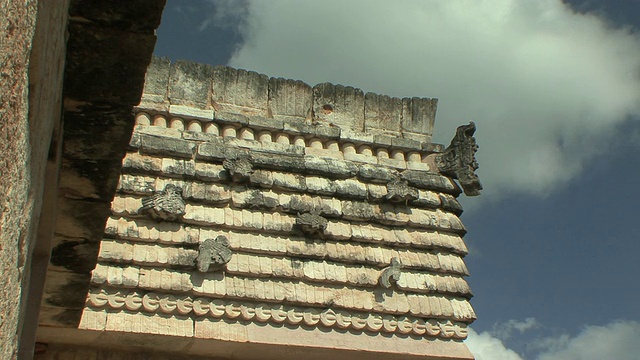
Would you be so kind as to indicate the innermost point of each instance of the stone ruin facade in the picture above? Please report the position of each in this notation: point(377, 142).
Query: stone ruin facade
point(262, 218)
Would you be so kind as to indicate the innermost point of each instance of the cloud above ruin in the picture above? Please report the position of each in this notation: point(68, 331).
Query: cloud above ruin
point(616, 340)
point(547, 87)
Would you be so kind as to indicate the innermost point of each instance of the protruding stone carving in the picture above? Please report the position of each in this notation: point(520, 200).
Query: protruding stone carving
point(213, 254)
point(311, 223)
point(166, 205)
point(458, 160)
point(398, 190)
point(391, 274)
point(239, 169)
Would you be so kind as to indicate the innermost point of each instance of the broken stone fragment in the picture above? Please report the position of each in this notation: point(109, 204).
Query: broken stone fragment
point(239, 169)
point(311, 224)
point(398, 190)
point(167, 205)
point(458, 160)
point(391, 274)
point(213, 254)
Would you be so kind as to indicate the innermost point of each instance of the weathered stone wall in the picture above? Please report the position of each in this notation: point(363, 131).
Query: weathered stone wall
point(261, 213)
point(32, 47)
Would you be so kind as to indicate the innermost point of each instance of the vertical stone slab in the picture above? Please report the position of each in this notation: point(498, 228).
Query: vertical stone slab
point(189, 84)
point(156, 81)
point(240, 91)
point(289, 98)
point(382, 114)
point(339, 105)
point(418, 116)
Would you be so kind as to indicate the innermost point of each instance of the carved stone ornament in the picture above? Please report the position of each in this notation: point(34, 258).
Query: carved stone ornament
point(213, 254)
point(167, 205)
point(239, 169)
point(458, 160)
point(311, 223)
point(234, 310)
point(398, 190)
point(391, 274)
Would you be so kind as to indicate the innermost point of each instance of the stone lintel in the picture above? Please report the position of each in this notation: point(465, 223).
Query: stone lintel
point(258, 342)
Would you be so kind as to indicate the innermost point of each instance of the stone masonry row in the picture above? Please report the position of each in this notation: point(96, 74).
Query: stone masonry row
point(261, 265)
point(227, 90)
point(362, 238)
point(284, 290)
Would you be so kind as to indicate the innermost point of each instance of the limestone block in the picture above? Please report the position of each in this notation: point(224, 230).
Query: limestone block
point(210, 172)
point(161, 324)
point(382, 113)
point(427, 198)
point(328, 206)
point(320, 185)
point(157, 131)
point(413, 165)
point(325, 153)
point(115, 250)
point(263, 178)
point(405, 144)
point(339, 105)
point(157, 77)
point(338, 230)
point(189, 84)
point(281, 162)
point(393, 163)
point(276, 148)
point(351, 188)
point(203, 215)
point(418, 115)
point(242, 88)
point(189, 112)
point(173, 167)
point(135, 161)
point(377, 174)
point(330, 167)
point(166, 146)
point(356, 210)
point(99, 274)
point(431, 181)
point(290, 98)
point(361, 158)
point(289, 181)
point(139, 185)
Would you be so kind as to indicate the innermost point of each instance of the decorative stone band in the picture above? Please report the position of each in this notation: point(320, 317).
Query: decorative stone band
point(275, 313)
point(316, 140)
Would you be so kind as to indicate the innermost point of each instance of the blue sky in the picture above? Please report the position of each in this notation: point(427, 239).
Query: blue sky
point(555, 91)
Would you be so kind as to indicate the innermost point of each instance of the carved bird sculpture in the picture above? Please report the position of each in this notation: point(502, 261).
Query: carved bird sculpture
point(166, 205)
point(213, 254)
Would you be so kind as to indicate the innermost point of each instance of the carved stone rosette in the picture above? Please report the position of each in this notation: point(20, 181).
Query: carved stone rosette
point(167, 205)
point(458, 160)
point(399, 191)
point(213, 254)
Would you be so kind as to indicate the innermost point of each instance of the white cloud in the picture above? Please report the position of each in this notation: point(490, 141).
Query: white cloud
point(486, 347)
point(618, 340)
point(545, 85)
point(504, 331)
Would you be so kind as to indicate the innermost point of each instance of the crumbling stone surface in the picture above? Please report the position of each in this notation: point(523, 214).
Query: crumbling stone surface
point(300, 204)
point(311, 224)
point(213, 254)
